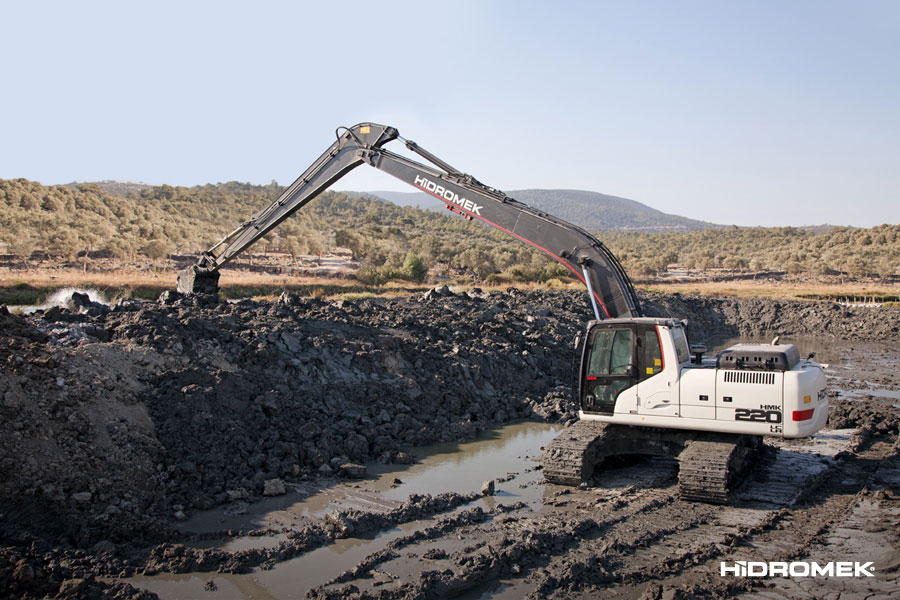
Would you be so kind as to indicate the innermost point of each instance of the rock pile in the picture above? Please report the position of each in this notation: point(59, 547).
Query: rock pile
point(116, 421)
point(711, 318)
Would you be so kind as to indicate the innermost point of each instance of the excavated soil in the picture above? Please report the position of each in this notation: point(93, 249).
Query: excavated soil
point(118, 426)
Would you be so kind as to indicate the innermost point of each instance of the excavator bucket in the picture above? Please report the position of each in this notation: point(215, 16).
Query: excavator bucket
point(197, 281)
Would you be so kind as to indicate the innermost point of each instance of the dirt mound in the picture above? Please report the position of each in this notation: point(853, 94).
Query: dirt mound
point(715, 318)
point(190, 403)
point(117, 421)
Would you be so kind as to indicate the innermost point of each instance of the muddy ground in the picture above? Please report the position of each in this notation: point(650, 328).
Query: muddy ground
point(119, 424)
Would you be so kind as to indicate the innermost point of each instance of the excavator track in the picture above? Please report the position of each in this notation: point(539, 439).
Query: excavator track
point(707, 469)
point(704, 471)
point(570, 458)
point(708, 463)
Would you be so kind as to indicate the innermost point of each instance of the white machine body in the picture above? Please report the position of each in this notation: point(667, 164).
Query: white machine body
point(641, 372)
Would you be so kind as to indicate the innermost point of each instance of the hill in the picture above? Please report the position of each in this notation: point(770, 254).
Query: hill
point(162, 220)
point(117, 188)
point(591, 210)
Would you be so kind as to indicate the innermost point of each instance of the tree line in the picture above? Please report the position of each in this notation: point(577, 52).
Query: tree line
point(394, 241)
point(873, 252)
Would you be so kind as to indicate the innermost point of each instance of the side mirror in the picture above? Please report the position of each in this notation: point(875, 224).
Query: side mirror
point(577, 341)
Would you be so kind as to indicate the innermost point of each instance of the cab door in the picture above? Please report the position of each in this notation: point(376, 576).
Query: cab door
point(609, 375)
point(656, 394)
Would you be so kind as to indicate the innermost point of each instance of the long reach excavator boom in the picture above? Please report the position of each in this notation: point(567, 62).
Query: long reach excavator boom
point(610, 290)
point(641, 388)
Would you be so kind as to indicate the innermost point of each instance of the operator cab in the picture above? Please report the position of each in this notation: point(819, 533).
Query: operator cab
point(620, 353)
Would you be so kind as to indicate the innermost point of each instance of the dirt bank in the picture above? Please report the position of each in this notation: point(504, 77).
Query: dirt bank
point(118, 423)
point(710, 318)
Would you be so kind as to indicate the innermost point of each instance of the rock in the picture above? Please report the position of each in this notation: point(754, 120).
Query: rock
point(402, 458)
point(353, 471)
point(23, 572)
point(238, 494)
point(487, 488)
point(291, 342)
point(80, 300)
point(310, 430)
point(325, 470)
point(396, 482)
point(127, 303)
point(274, 487)
point(56, 313)
point(179, 515)
point(81, 497)
point(83, 304)
point(435, 554)
point(72, 587)
point(104, 547)
point(169, 297)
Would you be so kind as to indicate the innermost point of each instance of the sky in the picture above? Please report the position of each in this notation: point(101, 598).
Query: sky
point(767, 112)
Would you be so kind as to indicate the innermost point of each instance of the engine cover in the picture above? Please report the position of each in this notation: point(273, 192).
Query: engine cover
point(759, 357)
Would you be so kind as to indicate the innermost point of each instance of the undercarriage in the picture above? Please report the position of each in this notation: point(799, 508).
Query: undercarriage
point(709, 463)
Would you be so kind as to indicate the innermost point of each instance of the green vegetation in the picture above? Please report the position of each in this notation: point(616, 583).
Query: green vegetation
point(840, 250)
point(395, 242)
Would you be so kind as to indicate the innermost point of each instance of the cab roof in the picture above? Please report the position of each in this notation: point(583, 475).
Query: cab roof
point(658, 321)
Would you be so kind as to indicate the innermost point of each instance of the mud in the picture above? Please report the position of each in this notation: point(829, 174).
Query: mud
point(121, 423)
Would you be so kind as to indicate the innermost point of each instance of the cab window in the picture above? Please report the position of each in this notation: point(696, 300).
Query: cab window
point(610, 352)
point(681, 345)
point(649, 354)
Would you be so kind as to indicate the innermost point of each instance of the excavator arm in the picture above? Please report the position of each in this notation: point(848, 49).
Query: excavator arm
point(611, 291)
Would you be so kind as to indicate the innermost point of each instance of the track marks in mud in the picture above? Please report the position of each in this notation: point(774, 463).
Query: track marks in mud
point(511, 544)
point(854, 516)
point(621, 539)
point(688, 560)
point(177, 558)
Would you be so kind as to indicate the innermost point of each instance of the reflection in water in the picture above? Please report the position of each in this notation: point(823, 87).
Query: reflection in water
point(452, 467)
point(463, 467)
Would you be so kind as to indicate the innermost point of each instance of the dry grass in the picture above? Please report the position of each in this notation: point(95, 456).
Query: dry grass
point(261, 285)
point(776, 290)
point(75, 278)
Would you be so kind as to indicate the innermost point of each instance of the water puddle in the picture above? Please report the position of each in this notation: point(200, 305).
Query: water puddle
point(463, 467)
point(289, 579)
point(863, 394)
point(450, 467)
point(509, 452)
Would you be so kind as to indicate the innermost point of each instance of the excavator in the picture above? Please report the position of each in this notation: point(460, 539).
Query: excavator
point(641, 388)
